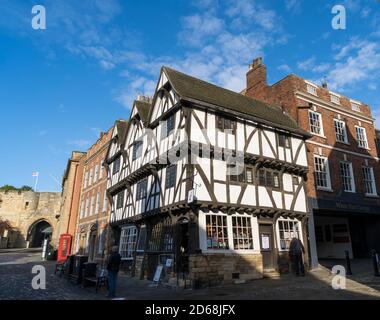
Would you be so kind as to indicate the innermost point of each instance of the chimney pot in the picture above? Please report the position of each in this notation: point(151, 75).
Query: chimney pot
point(257, 62)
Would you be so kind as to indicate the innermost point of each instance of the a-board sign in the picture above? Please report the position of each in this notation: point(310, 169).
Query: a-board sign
point(157, 275)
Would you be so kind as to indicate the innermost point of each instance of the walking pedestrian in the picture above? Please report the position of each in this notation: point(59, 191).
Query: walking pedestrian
point(113, 267)
point(296, 251)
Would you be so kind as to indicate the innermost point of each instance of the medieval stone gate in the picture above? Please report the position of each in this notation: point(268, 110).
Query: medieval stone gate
point(27, 217)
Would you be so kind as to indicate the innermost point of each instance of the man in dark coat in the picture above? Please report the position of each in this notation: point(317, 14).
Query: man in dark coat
point(113, 267)
point(296, 251)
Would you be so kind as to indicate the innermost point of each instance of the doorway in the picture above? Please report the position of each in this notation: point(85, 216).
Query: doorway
point(38, 232)
point(183, 246)
point(267, 246)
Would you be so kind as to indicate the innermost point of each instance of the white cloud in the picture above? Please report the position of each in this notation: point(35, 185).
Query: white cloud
point(358, 61)
point(80, 143)
point(284, 67)
point(197, 27)
point(293, 6)
point(311, 65)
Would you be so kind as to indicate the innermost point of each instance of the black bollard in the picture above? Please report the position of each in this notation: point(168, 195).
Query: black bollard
point(375, 263)
point(348, 262)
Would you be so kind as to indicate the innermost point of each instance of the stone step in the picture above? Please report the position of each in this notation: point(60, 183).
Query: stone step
point(271, 274)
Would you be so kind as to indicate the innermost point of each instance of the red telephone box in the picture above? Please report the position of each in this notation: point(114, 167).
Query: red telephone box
point(64, 248)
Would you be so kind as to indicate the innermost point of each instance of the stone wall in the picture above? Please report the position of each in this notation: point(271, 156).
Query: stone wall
point(23, 209)
point(213, 269)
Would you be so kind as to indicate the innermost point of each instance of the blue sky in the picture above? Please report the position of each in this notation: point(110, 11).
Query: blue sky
point(60, 86)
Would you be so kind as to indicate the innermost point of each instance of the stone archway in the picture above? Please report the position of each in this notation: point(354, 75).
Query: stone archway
point(38, 232)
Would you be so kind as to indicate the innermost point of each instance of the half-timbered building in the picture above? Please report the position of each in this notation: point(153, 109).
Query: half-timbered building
point(207, 182)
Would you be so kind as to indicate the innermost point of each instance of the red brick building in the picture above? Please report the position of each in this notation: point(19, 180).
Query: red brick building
point(343, 181)
point(94, 211)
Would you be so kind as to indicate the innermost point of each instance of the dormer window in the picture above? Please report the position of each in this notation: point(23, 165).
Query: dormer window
point(355, 107)
point(335, 99)
point(312, 89)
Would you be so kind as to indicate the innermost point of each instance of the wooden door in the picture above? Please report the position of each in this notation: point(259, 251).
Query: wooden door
point(267, 246)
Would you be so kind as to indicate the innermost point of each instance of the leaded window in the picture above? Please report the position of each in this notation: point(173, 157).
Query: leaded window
point(242, 233)
point(116, 165)
point(120, 200)
point(224, 124)
point(283, 140)
point(141, 192)
point(168, 126)
point(217, 232)
point(171, 176)
point(269, 179)
point(137, 150)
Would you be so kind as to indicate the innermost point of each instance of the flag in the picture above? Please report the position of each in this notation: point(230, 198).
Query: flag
point(35, 174)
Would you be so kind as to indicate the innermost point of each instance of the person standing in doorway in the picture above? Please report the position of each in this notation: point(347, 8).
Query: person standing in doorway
point(296, 252)
point(113, 267)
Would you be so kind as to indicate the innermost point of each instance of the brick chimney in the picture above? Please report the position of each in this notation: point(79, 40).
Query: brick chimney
point(256, 78)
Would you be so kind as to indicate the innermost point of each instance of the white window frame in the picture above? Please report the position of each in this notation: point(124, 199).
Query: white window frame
point(328, 178)
point(101, 170)
point(96, 173)
point(203, 234)
point(321, 133)
point(86, 179)
point(87, 207)
point(91, 176)
point(92, 205)
point(344, 128)
point(82, 209)
point(311, 88)
point(291, 235)
point(364, 134)
point(335, 99)
point(97, 201)
point(128, 238)
point(371, 181)
point(355, 106)
point(350, 176)
point(105, 202)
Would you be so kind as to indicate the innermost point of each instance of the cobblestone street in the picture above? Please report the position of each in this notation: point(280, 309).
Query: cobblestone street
point(16, 277)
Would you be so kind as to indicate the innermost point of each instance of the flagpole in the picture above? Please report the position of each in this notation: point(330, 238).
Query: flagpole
point(35, 186)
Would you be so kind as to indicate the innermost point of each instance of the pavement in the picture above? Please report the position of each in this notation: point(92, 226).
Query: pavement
point(16, 284)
